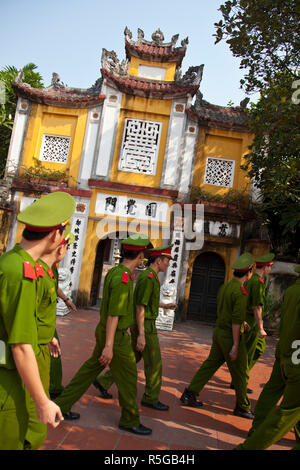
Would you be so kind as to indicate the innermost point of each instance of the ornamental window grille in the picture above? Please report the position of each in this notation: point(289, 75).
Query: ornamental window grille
point(219, 172)
point(140, 146)
point(55, 148)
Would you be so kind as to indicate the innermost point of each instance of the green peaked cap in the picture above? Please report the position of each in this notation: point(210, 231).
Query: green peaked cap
point(265, 259)
point(161, 251)
point(136, 242)
point(49, 212)
point(243, 263)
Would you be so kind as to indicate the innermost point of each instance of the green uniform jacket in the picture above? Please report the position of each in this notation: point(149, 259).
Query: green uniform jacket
point(255, 288)
point(147, 293)
point(18, 288)
point(232, 301)
point(46, 305)
point(289, 330)
point(117, 298)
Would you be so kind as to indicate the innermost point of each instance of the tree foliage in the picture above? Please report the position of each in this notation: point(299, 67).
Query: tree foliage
point(264, 34)
point(8, 108)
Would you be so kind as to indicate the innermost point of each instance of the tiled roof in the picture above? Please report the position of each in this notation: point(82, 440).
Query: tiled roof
point(149, 88)
point(224, 117)
point(154, 52)
point(68, 97)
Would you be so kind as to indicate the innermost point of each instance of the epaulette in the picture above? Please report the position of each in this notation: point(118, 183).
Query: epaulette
point(244, 290)
point(150, 275)
point(39, 270)
point(261, 280)
point(29, 271)
point(50, 273)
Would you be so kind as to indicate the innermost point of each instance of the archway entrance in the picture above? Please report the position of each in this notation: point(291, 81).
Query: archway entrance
point(208, 276)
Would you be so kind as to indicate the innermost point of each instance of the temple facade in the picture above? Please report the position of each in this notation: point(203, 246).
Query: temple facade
point(137, 144)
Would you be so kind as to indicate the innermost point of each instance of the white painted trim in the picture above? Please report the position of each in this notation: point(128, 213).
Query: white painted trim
point(173, 150)
point(89, 146)
point(17, 136)
point(108, 129)
point(188, 159)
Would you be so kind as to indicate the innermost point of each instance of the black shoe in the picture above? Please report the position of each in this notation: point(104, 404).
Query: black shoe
point(71, 415)
point(103, 392)
point(188, 398)
point(243, 413)
point(249, 390)
point(156, 406)
point(140, 429)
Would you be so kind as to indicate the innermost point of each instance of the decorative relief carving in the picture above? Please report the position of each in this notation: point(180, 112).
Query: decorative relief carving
point(219, 172)
point(111, 63)
point(140, 146)
point(193, 76)
point(55, 148)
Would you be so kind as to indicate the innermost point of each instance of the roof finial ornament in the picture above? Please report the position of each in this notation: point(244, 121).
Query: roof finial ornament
point(158, 37)
point(184, 42)
point(110, 62)
point(56, 82)
point(127, 34)
point(174, 40)
point(193, 76)
point(141, 34)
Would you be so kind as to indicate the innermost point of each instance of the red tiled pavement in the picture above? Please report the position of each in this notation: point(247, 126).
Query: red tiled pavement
point(183, 350)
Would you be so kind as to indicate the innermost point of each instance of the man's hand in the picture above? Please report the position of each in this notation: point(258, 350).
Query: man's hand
point(141, 343)
point(54, 348)
point(234, 353)
point(106, 356)
point(247, 326)
point(262, 333)
point(70, 305)
point(49, 413)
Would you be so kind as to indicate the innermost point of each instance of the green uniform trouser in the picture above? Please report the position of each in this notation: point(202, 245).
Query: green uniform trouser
point(56, 386)
point(13, 412)
point(254, 344)
point(279, 421)
point(37, 431)
point(123, 367)
point(152, 362)
point(269, 397)
point(219, 353)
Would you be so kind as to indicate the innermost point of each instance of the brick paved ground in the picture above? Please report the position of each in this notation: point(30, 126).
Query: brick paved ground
point(211, 427)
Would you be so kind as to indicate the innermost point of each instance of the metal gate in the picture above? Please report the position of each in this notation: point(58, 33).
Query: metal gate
point(208, 276)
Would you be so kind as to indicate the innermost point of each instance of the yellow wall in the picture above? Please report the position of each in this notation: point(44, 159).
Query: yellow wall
point(58, 121)
point(222, 144)
point(169, 66)
point(146, 109)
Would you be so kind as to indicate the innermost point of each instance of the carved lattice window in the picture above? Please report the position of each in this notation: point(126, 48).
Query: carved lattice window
point(55, 148)
point(140, 146)
point(219, 172)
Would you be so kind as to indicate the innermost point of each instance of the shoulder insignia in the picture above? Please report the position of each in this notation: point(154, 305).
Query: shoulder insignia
point(156, 277)
point(244, 290)
point(55, 266)
point(150, 275)
point(125, 277)
point(29, 271)
point(131, 277)
point(50, 273)
point(261, 280)
point(39, 270)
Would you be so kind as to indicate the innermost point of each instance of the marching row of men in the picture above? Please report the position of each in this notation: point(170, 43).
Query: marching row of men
point(29, 344)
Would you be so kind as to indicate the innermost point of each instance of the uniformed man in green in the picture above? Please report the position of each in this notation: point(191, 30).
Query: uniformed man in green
point(271, 423)
point(228, 340)
point(56, 386)
point(46, 324)
point(256, 290)
point(113, 347)
point(45, 221)
point(144, 338)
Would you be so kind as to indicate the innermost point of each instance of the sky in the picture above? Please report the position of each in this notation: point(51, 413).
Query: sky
point(67, 37)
